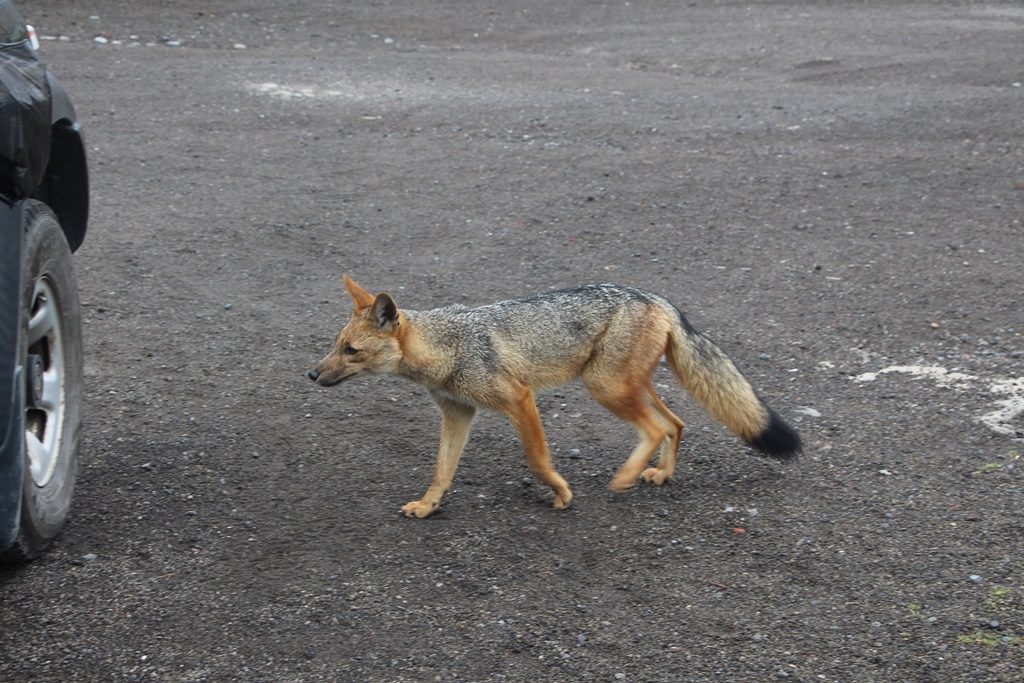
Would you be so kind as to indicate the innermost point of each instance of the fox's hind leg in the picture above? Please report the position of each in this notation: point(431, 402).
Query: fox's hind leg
point(456, 419)
point(619, 378)
point(522, 410)
point(629, 402)
point(670, 446)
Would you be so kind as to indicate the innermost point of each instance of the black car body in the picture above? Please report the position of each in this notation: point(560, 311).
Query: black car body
point(43, 177)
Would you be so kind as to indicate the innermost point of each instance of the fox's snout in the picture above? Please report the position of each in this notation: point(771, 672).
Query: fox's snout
point(325, 378)
point(327, 375)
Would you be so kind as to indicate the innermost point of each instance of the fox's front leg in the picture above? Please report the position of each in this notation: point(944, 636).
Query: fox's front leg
point(456, 419)
point(522, 410)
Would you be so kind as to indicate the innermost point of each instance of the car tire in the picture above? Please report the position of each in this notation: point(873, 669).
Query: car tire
point(51, 358)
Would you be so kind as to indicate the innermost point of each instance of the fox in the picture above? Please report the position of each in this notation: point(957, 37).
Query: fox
point(495, 357)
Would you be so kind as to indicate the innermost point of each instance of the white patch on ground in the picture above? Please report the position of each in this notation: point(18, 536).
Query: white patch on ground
point(392, 91)
point(999, 420)
point(942, 376)
point(295, 91)
point(1009, 409)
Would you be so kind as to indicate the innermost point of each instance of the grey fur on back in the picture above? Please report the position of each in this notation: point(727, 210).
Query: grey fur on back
point(539, 331)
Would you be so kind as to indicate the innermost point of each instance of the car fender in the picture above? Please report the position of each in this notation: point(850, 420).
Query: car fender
point(61, 108)
point(65, 187)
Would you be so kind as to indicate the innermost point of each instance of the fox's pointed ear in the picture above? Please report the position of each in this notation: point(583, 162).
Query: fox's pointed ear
point(385, 311)
point(360, 297)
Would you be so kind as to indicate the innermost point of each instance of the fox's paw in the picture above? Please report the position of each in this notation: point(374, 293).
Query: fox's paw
point(562, 500)
point(621, 483)
point(419, 508)
point(655, 475)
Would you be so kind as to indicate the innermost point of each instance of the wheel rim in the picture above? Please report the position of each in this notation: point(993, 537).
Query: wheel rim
point(44, 418)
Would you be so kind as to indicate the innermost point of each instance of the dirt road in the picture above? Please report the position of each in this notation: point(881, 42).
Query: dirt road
point(826, 188)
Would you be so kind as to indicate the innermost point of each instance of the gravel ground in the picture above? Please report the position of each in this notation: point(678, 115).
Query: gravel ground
point(831, 190)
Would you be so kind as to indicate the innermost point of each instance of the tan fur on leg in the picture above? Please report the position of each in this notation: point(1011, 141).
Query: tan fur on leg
point(670, 447)
point(526, 420)
point(456, 419)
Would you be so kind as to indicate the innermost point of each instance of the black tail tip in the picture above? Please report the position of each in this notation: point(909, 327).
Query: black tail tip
point(778, 440)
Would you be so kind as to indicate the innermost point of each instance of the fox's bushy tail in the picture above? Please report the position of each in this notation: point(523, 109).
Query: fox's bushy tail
point(707, 373)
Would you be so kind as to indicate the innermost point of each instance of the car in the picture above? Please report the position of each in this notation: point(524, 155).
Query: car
point(44, 207)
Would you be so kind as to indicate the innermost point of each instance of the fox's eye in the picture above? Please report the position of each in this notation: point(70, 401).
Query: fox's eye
point(350, 350)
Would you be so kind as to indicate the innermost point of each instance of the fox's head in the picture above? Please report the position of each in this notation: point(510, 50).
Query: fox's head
point(368, 343)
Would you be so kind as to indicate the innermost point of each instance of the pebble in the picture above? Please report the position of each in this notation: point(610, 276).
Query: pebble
point(88, 557)
point(975, 578)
